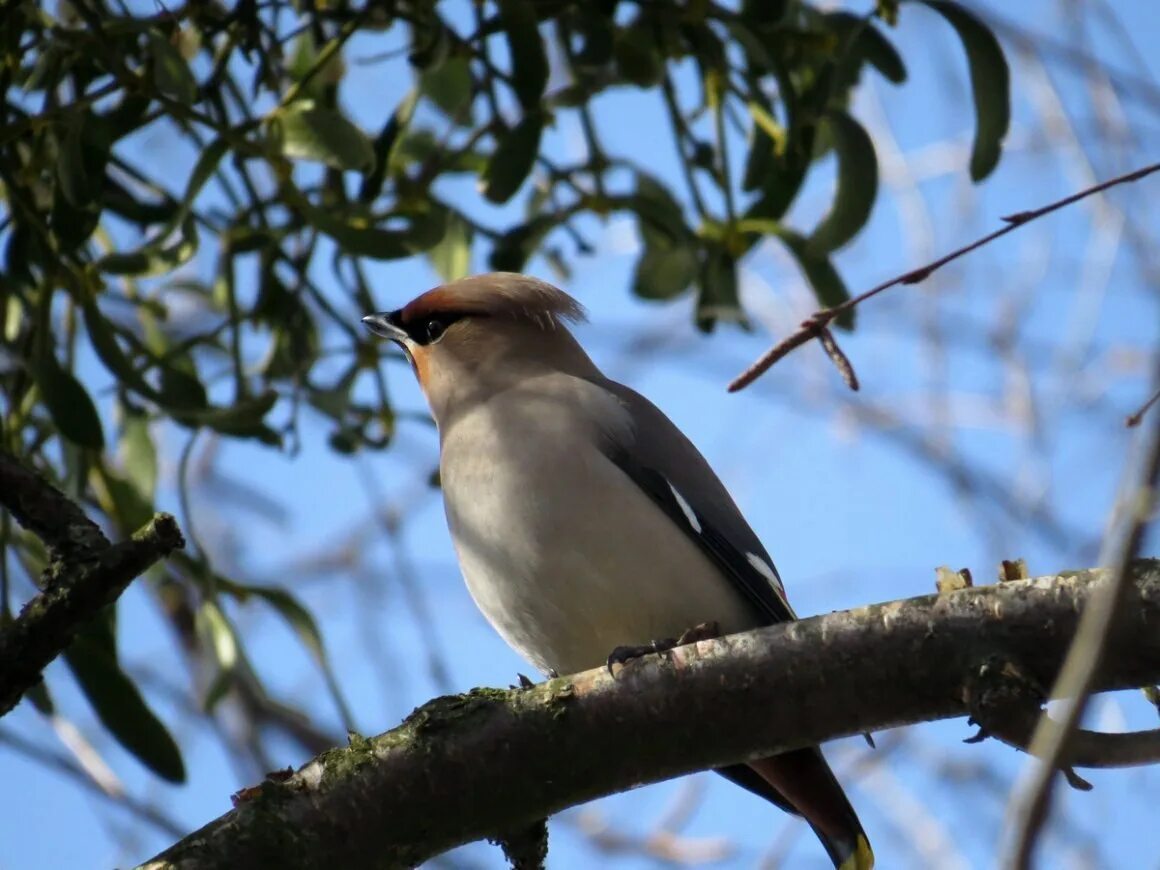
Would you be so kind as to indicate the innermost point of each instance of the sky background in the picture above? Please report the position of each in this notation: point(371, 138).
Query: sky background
point(851, 494)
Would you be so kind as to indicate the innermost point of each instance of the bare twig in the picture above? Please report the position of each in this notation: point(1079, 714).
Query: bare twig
point(811, 327)
point(1134, 419)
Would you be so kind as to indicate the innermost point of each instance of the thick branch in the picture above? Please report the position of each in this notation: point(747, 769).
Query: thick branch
point(87, 574)
point(462, 768)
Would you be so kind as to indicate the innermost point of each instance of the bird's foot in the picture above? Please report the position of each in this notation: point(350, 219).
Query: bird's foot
point(624, 654)
point(621, 655)
point(704, 631)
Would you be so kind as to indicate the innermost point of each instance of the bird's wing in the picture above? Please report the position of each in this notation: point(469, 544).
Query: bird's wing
point(659, 459)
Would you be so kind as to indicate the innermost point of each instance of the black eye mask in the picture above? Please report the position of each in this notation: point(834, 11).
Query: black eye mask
point(428, 329)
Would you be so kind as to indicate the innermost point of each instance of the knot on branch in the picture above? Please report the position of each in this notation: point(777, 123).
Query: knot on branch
point(1007, 704)
point(525, 848)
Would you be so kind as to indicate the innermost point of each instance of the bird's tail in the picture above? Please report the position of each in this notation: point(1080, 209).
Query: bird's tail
point(802, 783)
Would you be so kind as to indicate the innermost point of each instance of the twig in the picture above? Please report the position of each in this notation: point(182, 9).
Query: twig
point(1134, 419)
point(1084, 659)
point(811, 326)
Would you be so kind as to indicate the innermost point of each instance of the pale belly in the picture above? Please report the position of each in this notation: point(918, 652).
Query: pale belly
point(567, 572)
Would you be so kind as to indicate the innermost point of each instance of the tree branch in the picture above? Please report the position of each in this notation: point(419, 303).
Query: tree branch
point(814, 326)
point(87, 573)
point(465, 767)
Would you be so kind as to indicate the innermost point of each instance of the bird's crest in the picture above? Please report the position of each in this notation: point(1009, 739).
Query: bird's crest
point(499, 294)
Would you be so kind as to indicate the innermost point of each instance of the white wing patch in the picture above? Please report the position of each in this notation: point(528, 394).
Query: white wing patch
point(686, 509)
point(763, 568)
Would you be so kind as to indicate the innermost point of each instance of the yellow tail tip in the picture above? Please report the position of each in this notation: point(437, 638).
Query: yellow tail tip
point(862, 858)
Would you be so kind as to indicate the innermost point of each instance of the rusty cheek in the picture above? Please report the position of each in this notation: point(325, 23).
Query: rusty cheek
point(420, 362)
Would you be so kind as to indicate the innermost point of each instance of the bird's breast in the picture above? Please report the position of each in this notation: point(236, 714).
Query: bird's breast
point(561, 551)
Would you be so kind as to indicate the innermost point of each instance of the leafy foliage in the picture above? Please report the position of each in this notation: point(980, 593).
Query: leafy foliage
point(206, 295)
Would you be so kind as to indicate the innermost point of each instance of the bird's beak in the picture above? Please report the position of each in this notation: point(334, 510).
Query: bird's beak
point(385, 325)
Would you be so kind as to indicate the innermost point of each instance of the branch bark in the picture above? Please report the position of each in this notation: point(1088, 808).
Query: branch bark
point(86, 574)
point(462, 768)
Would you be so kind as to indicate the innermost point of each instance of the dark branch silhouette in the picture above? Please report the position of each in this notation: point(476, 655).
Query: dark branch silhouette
point(85, 573)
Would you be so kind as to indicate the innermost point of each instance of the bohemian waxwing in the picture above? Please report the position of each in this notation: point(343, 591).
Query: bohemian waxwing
point(554, 477)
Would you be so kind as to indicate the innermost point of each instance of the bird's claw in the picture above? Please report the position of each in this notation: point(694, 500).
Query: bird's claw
point(624, 654)
point(704, 631)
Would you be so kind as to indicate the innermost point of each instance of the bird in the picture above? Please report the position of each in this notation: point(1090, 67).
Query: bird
point(553, 475)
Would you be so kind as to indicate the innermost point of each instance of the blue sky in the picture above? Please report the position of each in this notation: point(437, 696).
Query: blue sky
point(848, 510)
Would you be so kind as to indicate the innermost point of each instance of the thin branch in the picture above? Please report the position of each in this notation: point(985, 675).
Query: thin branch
point(1134, 419)
point(144, 810)
point(812, 325)
point(464, 767)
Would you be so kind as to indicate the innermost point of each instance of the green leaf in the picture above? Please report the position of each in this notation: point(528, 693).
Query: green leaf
point(103, 340)
point(759, 161)
point(356, 235)
point(305, 131)
point(663, 272)
point(513, 158)
point(302, 623)
point(865, 44)
point(121, 709)
point(659, 216)
point(637, 58)
point(155, 257)
point(82, 154)
point(240, 418)
point(220, 634)
point(72, 225)
point(990, 82)
point(718, 298)
point(117, 199)
point(122, 500)
point(181, 389)
point(779, 188)
point(596, 28)
point(881, 54)
point(387, 146)
point(857, 183)
point(529, 61)
point(449, 86)
point(827, 284)
point(171, 73)
point(513, 248)
point(138, 453)
point(68, 403)
point(452, 256)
